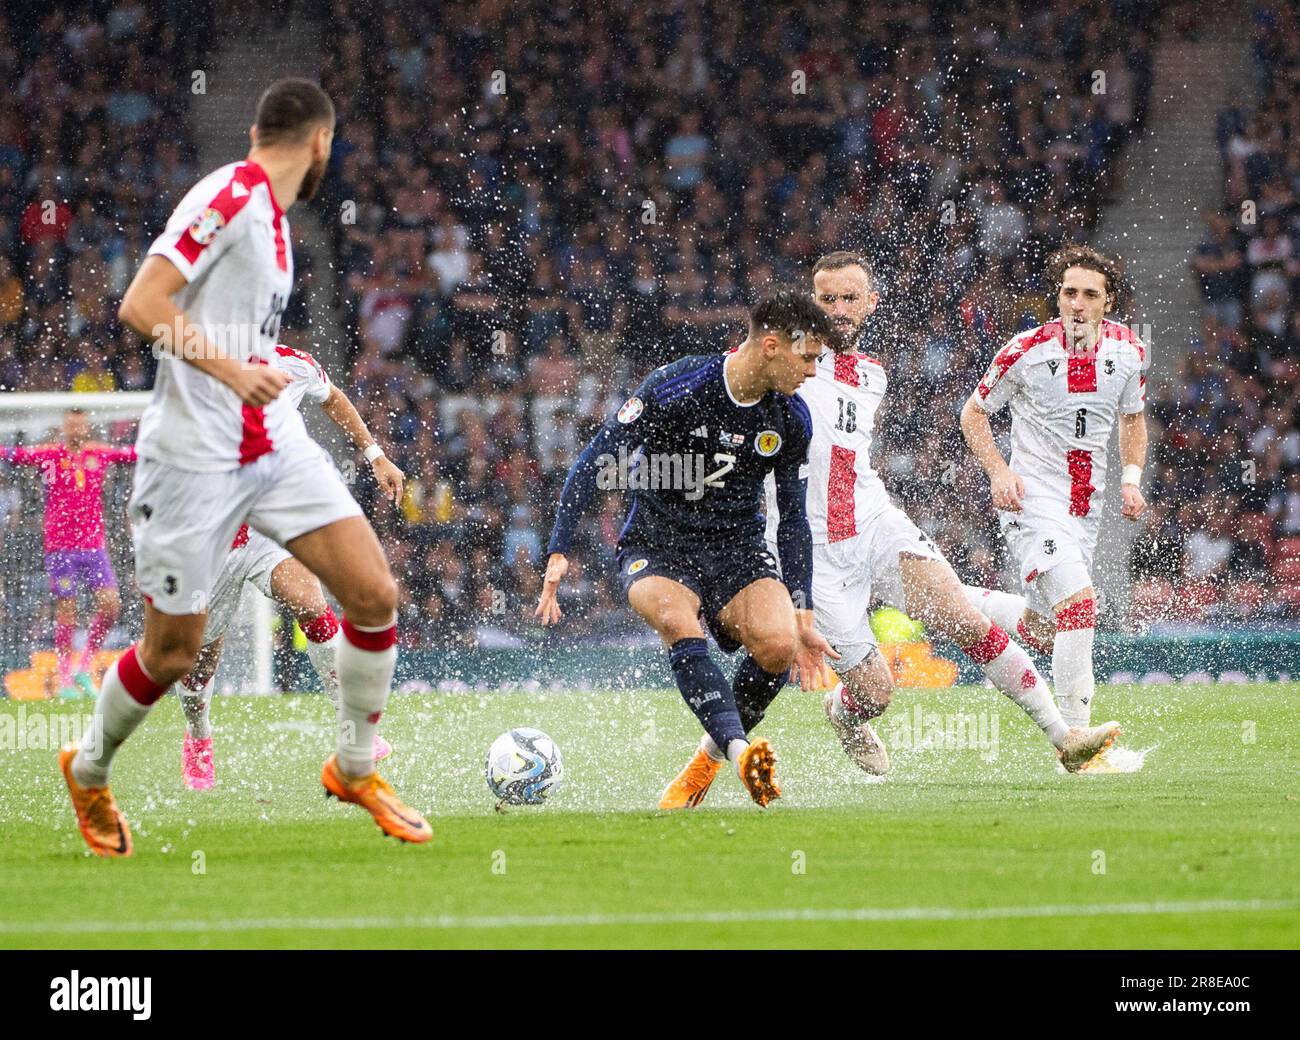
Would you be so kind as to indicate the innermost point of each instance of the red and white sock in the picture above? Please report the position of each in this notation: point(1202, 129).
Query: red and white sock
point(1030, 640)
point(63, 633)
point(323, 640)
point(844, 704)
point(99, 628)
point(125, 697)
point(366, 660)
point(1009, 668)
point(1076, 626)
point(195, 703)
point(1002, 608)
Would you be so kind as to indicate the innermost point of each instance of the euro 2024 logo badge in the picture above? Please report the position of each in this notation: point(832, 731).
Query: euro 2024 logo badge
point(632, 408)
point(206, 225)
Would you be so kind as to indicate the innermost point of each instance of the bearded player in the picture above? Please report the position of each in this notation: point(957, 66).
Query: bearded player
point(865, 548)
point(693, 549)
point(217, 448)
point(274, 572)
point(73, 473)
point(1068, 384)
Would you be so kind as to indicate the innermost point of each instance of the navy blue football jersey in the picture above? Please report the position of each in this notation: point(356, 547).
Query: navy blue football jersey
point(694, 459)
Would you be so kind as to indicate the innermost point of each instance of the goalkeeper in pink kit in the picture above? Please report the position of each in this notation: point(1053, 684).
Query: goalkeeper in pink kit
point(73, 473)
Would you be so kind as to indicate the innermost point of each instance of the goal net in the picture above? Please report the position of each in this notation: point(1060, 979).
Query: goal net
point(27, 605)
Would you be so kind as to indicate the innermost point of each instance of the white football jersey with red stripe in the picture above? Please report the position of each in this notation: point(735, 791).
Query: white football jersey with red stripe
point(230, 239)
point(1063, 408)
point(284, 419)
point(844, 492)
point(310, 383)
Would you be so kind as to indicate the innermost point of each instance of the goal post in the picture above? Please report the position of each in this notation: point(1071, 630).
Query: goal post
point(26, 602)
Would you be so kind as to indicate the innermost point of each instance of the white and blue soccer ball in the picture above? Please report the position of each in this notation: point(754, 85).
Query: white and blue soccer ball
point(524, 766)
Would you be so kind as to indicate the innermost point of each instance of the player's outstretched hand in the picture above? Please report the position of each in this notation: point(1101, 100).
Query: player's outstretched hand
point(390, 478)
point(1134, 504)
point(1008, 492)
point(548, 606)
point(259, 385)
point(809, 657)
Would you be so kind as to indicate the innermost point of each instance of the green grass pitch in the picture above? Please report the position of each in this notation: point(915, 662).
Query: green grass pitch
point(976, 844)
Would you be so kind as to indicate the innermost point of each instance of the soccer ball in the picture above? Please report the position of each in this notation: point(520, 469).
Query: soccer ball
point(523, 766)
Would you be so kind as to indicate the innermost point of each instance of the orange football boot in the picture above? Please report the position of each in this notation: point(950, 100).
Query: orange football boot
point(758, 772)
point(374, 794)
point(102, 823)
point(689, 787)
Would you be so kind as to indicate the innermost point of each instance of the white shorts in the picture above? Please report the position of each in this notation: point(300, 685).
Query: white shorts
point(253, 562)
point(1052, 551)
point(851, 576)
point(183, 522)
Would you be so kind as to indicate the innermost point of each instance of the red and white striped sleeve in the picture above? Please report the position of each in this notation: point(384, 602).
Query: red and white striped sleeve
point(204, 225)
point(305, 369)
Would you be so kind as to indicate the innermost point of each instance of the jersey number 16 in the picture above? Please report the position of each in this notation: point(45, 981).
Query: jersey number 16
point(848, 420)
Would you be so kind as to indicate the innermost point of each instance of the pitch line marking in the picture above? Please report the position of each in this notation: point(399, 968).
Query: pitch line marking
point(849, 914)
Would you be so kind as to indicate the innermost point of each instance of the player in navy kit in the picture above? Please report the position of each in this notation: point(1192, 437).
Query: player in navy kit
point(709, 429)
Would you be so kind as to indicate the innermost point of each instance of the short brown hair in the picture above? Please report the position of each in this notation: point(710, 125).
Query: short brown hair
point(842, 258)
point(788, 311)
point(289, 109)
point(1090, 260)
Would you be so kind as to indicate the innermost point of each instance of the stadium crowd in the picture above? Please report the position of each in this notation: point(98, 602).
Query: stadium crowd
point(546, 201)
point(531, 205)
point(1222, 540)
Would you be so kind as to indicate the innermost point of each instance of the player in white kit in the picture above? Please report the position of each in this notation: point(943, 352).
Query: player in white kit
point(865, 549)
point(1068, 384)
point(255, 559)
point(218, 447)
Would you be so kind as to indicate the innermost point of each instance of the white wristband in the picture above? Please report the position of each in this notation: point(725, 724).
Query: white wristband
point(1132, 474)
point(376, 452)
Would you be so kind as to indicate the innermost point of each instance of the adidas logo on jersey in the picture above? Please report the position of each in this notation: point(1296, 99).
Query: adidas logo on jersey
point(700, 431)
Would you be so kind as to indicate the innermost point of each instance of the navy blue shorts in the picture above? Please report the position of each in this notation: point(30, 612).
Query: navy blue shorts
point(715, 575)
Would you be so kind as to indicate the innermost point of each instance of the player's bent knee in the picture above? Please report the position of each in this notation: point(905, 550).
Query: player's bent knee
point(677, 625)
point(774, 652)
point(374, 603)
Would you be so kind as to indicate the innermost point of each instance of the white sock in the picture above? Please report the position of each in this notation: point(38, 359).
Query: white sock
point(1072, 667)
point(735, 749)
point(324, 662)
point(116, 716)
point(1015, 676)
point(1002, 608)
point(365, 676)
point(711, 749)
point(195, 705)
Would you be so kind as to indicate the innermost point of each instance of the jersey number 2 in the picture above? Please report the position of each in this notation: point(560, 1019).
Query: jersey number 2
point(714, 479)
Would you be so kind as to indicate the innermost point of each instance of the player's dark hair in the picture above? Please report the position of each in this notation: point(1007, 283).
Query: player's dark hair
point(290, 109)
point(788, 311)
point(1089, 259)
point(843, 258)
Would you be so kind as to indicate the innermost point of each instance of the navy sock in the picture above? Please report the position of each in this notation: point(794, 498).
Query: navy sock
point(706, 690)
point(755, 689)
